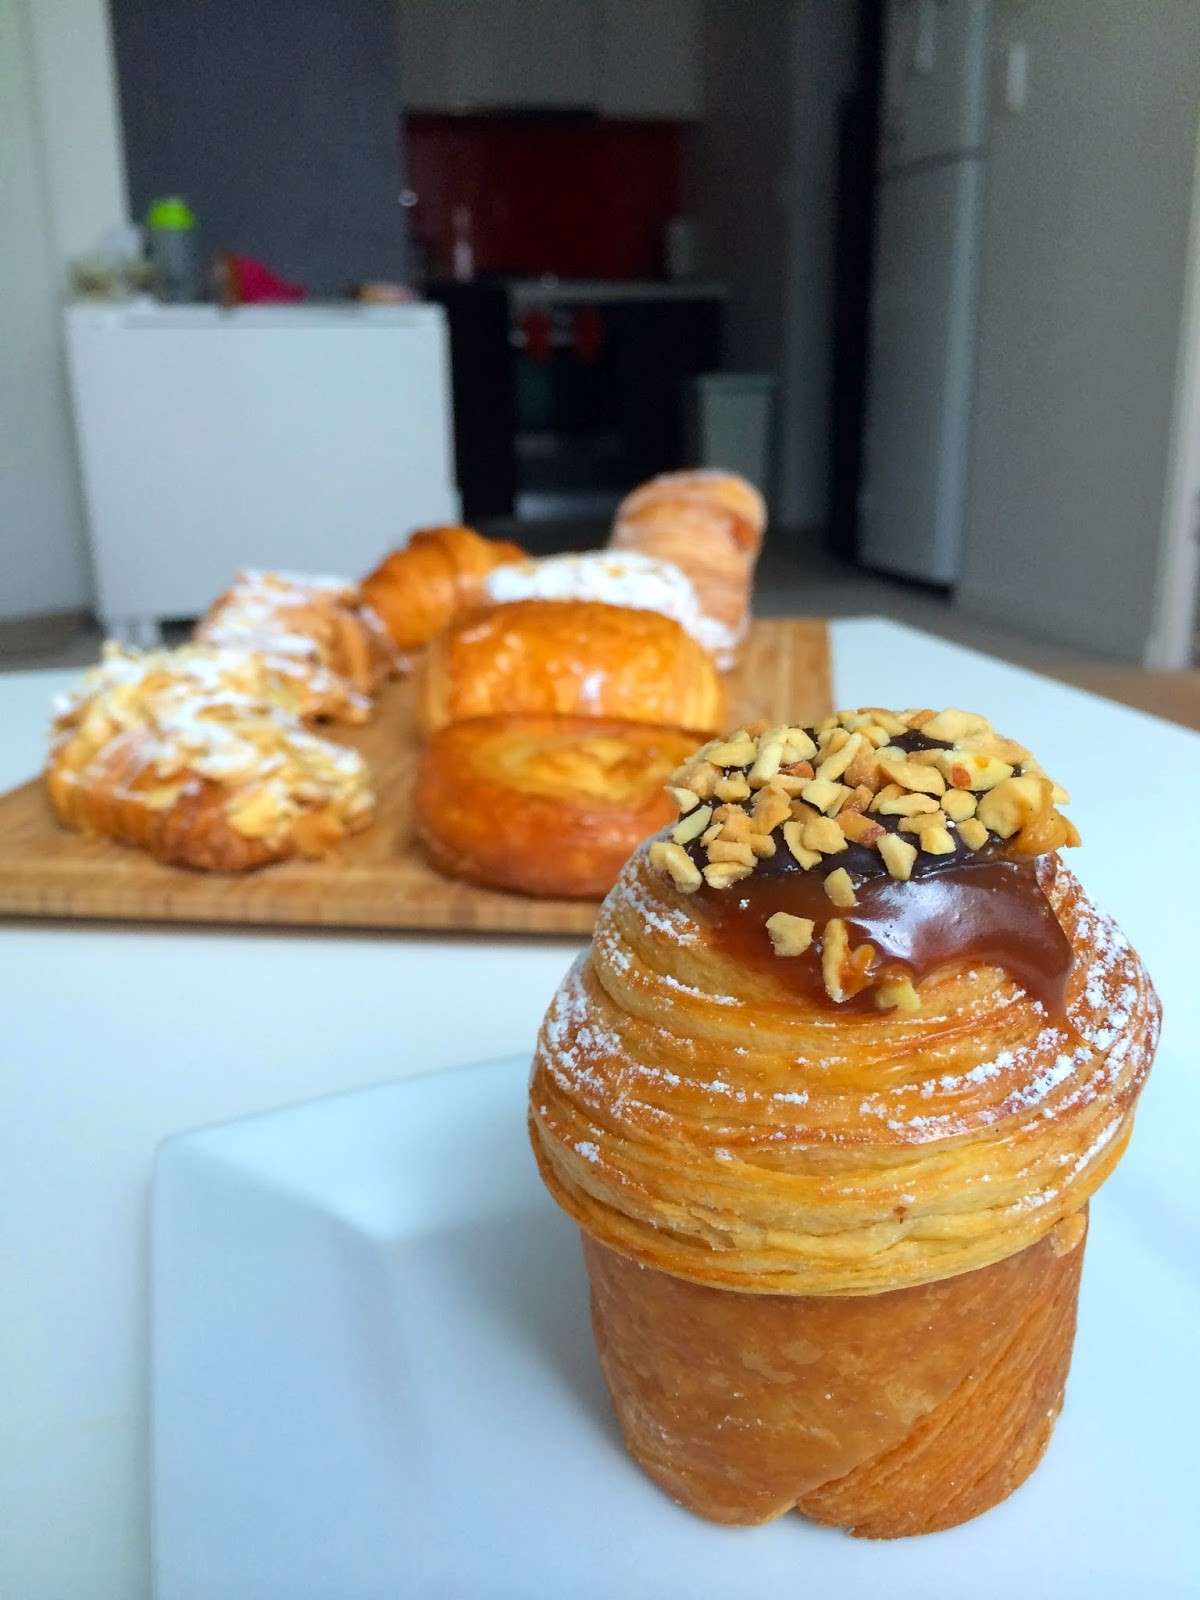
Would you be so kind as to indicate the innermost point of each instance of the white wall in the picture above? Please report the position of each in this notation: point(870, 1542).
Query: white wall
point(61, 186)
point(824, 39)
point(760, 181)
point(1084, 266)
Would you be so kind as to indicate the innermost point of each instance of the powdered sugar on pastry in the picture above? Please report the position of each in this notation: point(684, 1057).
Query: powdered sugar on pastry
point(627, 578)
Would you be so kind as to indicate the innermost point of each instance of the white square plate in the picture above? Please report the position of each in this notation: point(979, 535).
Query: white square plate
point(374, 1376)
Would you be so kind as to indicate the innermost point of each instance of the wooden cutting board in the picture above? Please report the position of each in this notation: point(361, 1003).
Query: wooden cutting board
point(380, 879)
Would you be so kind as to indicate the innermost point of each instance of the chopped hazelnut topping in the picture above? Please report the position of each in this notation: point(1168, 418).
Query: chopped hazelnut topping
point(898, 855)
point(847, 783)
point(685, 799)
point(858, 828)
point(897, 994)
point(966, 769)
point(719, 850)
point(840, 888)
point(958, 804)
point(923, 780)
point(732, 787)
point(937, 842)
point(922, 820)
point(823, 834)
point(792, 838)
point(790, 936)
point(721, 874)
point(973, 833)
point(693, 825)
point(771, 807)
point(676, 863)
point(737, 751)
point(835, 948)
point(905, 805)
point(824, 795)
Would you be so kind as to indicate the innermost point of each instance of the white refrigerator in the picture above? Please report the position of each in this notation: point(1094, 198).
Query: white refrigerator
point(922, 344)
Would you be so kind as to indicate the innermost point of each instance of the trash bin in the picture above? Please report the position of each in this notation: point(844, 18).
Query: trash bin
point(731, 423)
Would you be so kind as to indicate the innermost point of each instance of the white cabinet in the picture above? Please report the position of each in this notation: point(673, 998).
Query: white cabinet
point(623, 58)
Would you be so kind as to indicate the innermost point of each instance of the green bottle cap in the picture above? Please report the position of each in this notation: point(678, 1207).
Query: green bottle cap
point(170, 213)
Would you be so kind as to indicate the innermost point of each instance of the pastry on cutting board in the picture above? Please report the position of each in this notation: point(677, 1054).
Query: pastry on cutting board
point(321, 620)
point(202, 767)
point(616, 577)
point(437, 576)
point(710, 524)
point(569, 658)
point(544, 805)
point(829, 1096)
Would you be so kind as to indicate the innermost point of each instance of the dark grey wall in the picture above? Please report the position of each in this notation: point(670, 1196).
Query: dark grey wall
point(278, 120)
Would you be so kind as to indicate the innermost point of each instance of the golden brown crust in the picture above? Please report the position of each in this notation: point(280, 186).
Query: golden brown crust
point(201, 777)
point(437, 576)
point(702, 1117)
point(708, 523)
point(889, 1415)
point(323, 620)
point(543, 805)
point(569, 658)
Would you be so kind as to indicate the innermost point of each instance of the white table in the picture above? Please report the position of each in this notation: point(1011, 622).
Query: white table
point(115, 1037)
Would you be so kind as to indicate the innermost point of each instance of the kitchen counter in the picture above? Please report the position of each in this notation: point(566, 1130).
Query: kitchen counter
point(527, 292)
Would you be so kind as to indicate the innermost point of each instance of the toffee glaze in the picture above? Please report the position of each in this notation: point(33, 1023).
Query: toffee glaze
point(990, 912)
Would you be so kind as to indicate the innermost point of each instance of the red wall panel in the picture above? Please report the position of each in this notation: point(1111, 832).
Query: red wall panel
point(579, 197)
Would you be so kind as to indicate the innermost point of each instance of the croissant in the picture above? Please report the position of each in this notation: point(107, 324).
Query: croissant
point(438, 575)
point(200, 766)
point(710, 524)
point(569, 658)
point(828, 1099)
point(320, 620)
point(544, 805)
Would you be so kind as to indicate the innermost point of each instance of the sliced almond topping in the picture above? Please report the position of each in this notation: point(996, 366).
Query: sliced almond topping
point(840, 888)
point(921, 780)
point(823, 834)
point(712, 833)
point(676, 863)
point(958, 804)
point(937, 842)
point(790, 936)
point(897, 994)
point(693, 825)
point(685, 799)
point(762, 844)
point(973, 833)
point(722, 874)
point(735, 824)
point(700, 778)
point(792, 838)
point(898, 855)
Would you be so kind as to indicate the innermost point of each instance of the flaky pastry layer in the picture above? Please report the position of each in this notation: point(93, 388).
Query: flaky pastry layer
point(700, 1116)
